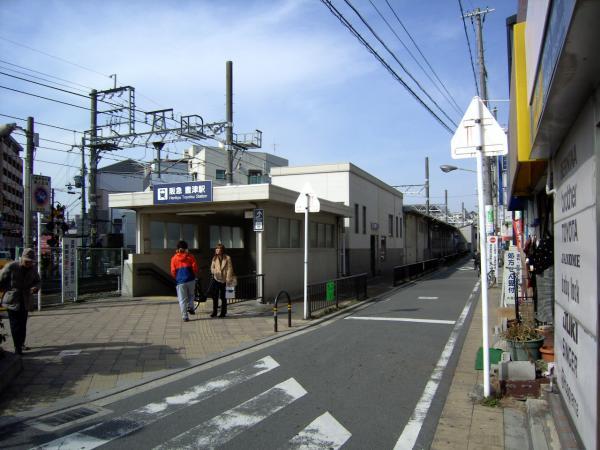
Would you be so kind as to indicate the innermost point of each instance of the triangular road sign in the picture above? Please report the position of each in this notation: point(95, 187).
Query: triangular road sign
point(307, 195)
point(468, 139)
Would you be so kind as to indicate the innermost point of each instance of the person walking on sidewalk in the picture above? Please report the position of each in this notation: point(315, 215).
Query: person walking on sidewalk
point(221, 269)
point(184, 269)
point(20, 281)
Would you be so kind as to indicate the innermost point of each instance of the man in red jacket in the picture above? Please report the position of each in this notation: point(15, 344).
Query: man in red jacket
point(184, 269)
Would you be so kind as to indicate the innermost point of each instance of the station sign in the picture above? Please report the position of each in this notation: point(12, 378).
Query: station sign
point(189, 192)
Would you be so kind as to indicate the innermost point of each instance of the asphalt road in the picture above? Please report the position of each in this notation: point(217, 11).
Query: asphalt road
point(374, 378)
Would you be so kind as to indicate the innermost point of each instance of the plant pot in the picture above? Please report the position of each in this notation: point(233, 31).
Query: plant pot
point(548, 332)
point(547, 353)
point(525, 350)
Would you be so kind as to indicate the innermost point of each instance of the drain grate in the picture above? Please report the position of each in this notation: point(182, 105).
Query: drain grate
point(67, 418)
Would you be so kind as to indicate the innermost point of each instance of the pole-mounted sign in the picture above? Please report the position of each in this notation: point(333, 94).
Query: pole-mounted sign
point(259, 219)
point(479, 135)
point(307, 202)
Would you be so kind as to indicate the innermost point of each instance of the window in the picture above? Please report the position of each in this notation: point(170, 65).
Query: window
point(173, 234)
point(157, 235)
point(400, 227)
point(391, 225)
point(312, 231)
point(282, 232)
point(321, 235)
point(230, 237)
point(220, 175)
point(255, 177)
point(189, 234)
point(356, 218)
point(329, 236)
point(364, 220)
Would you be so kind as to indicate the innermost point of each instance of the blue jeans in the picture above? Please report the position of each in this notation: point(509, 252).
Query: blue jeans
point(186, 293)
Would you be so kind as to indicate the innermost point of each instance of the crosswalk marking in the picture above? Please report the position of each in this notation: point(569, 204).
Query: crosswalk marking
point(118, 427)
point(224, 427)
point(403, 319)
point(428, 298)
point(323, 432)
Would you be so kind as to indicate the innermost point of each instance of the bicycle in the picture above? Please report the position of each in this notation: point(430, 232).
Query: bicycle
point(491, 276)
point(201, 295)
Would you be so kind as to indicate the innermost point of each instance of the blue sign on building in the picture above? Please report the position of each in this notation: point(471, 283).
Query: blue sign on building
point(190, 192)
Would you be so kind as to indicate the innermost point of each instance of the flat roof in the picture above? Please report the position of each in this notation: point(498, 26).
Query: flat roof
point(336, 167)
point(224, 198)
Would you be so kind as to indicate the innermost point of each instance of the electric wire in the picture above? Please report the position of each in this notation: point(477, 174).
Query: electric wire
point(45, 74)
point(364, 21)
point(54, 56)
point(371, 50)
point(422, 55)
point(462, 15)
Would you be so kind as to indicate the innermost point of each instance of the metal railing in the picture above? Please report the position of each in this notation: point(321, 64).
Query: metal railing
point(289, 309)
point(329, 293)
point(249, 287)
point(407, 272)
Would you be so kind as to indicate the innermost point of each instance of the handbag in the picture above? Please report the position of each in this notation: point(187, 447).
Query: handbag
point(229, 292)
point(199, 293)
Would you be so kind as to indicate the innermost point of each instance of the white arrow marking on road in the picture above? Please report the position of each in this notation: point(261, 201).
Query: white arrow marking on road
point(412, 429)
point(428, 298)
point(404, 319)
point(323, 432)
point(118, 427)
point(224, 427)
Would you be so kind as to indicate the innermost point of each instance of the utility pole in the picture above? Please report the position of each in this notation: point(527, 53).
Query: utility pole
point(229, 127)
point(462, 210)
point(83, 205)
point(93, 167)
point(483, 94)
point(27, 241)
point(427, 205)
point(158, 147)
point(446, 204)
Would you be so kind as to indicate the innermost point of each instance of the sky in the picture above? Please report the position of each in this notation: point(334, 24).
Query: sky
point(299, 76)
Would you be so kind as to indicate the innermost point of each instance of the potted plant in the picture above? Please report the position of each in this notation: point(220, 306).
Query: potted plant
point(524, 341)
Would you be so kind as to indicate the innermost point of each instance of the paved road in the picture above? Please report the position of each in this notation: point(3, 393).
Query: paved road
point(375, 377)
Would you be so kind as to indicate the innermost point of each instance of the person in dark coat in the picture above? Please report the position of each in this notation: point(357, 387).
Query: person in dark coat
point(20, 281)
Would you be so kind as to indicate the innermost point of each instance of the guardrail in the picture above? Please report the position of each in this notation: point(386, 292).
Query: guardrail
point(289, 309)
point(329, 293)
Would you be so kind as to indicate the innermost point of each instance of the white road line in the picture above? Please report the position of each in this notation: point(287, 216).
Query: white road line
point(323, 432)
point(224, 427)
point(403, 319)
point(118, 427)
point(428, 298)
point(412, 429)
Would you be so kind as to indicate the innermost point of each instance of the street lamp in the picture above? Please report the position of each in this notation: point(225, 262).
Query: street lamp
point(448, 168)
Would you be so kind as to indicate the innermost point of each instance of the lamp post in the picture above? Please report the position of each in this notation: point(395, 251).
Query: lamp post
point(448, 168)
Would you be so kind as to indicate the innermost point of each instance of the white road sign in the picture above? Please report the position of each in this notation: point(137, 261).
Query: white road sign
point(478, 130)
point(307, 195)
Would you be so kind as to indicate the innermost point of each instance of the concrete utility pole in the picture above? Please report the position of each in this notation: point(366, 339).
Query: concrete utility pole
point(27, 241)
point(446, 204)
point(427, 184)
point(83, 201)
point(229, 128)
point(93, 167)
point(483, 94)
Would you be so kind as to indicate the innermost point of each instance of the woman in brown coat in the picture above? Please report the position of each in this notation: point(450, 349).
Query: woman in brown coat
point(221, 269)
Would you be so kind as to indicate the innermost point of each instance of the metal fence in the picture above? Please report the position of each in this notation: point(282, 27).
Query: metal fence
point(249, 287)
point(407, 272)
point(329, 293)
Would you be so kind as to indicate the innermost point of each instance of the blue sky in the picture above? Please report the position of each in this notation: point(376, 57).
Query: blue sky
point(299, 76)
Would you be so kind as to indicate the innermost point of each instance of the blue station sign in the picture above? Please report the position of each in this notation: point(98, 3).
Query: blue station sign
point(190, 192)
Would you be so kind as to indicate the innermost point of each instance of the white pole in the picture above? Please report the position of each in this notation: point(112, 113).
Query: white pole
point(63, 267)
point(484, 280)
point(306, 258)
point(39, 257)
point(259, 261)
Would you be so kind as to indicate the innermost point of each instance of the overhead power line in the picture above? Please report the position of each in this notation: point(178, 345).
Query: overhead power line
point(41, 123)
point(362, 40)
point(54, 56)
point(462, 15)
point(423, 56)
point(364, 21)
